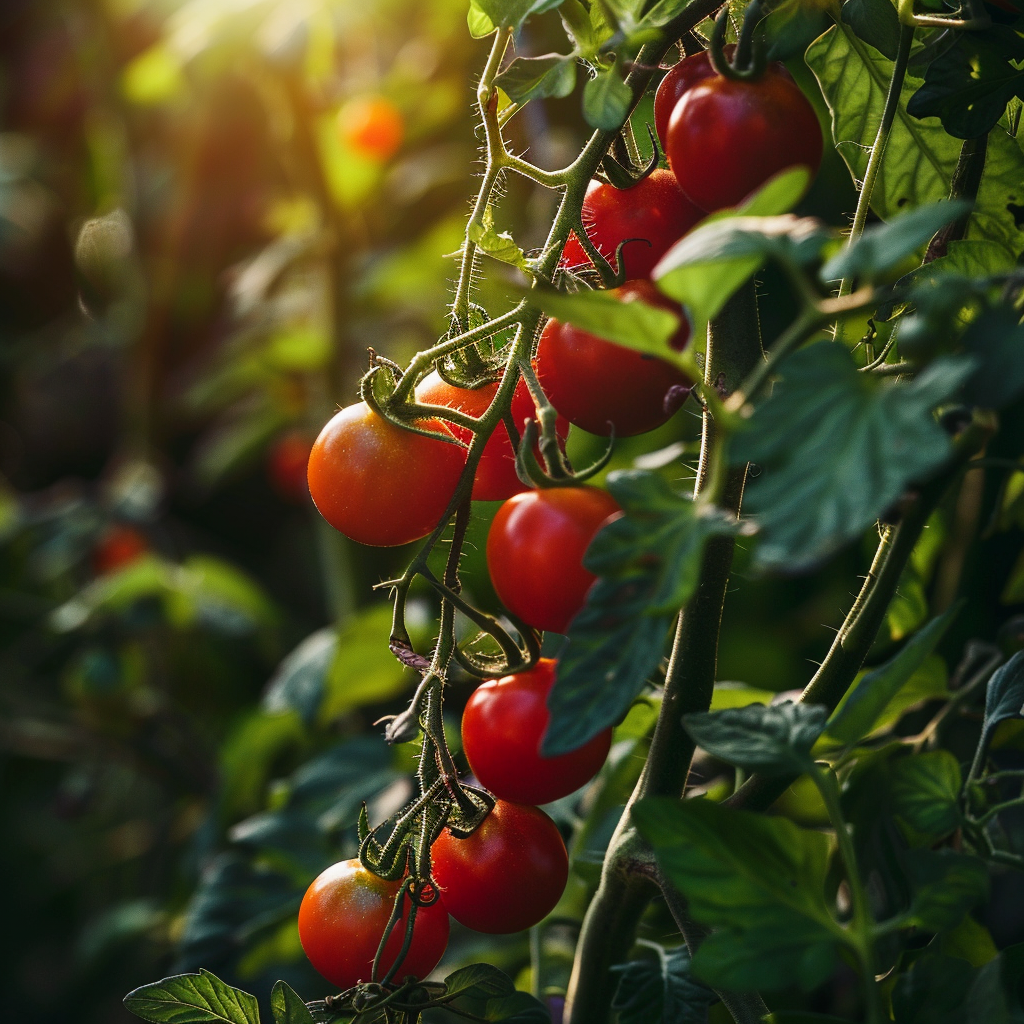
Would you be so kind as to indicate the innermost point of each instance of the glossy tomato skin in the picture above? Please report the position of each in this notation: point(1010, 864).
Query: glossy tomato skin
point(507, 875)
point(502, 729)
point(598, 385)
point(535, 551)
point(654, 211)
point(678, 79)
point(342, 919)
point(117, 548)
point(373, 126)
point(496, 478)
point(726, 138)
point(379, 484)
point(286, 466)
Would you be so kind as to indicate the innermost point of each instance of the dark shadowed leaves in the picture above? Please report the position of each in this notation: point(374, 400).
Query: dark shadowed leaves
point(774, 740)
point(946, 886)
point(193, 999)
point(926, 791)
point(661, 991)
point(876, 22)
point(648, 562)
point(758, 881)
point(1004, 697)
point(837, 449)
point(996, 338)
point(482, 992)
point(298, 682)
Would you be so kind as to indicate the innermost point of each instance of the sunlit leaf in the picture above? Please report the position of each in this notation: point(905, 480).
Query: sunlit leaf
point(193, 999)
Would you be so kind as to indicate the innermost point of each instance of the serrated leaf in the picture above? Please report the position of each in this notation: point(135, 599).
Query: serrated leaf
point(488, 994)
point(534, 78)
point(660, 991)
point(774, 740)
point(920, 156)
point(287, 1006)
point(758, 881)
point(1004, 698)
point(859, 711)
point(648, 562)
point(946, 886)
point(193, 999)
point(884, 246)
point(837, 448)
point(996, 338)
point(606, 101)
point(876, 22)
point(926, 792)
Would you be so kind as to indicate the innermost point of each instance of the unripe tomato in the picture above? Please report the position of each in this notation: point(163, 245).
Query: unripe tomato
point(535, 551)
point(373, 126)
point(286, 465)
point(380, 484)
point(507, 875)
point(119, 546)
point(496, 477)
point(654, 212)
point(679, 78)
point(342, 920)
point(726, 138)
point(502, 729)
point(598, 385)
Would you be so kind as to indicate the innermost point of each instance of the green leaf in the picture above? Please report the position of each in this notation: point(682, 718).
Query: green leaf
point(933, 990)
point(758, 881)
point(860, 709)
point(996, 338)
point(506, 13)
point(287, 1005)
point(837, 448)
point(884, 246)
point(920, 156)
point(792, 26)
point(946, 886)
point(606, 101)
point(774, 740)
point(704, 286)
point(298, 682)
point(648, 562)
point(485, 993)
point(876, 22)
point(498, 244)
point(968, 86)
point(926, 792)
point(660, 991)
point(588, 29)
point(534, 78)
point(193, 999)
point(223, 596)
point(1004, 697)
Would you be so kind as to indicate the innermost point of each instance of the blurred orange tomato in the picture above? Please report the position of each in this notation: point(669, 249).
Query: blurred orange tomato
point(373, 126)
point(286, 465)
point(119, 546)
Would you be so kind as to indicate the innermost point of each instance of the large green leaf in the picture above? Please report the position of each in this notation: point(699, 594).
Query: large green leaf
point(920, 156)
point(758, 881)
point(482, 992)
point(648, 562)
point(837, 448)
point(774, 740)
point(926, 792)
point(661, 991)
point(193, 999)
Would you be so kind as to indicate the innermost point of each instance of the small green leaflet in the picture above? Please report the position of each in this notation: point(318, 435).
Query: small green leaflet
point(535, 78)
point(606, 101)
point(660, 991)
point(500, 245)
point(487, 15)
point(926, 792)
point(287, 1006)
point(758, 881)
point(193, 999)
point(648, 562)
point(1004, 698)
point(836, 449)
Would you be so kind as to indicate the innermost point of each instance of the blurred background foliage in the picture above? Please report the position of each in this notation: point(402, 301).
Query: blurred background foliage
point(205, 220)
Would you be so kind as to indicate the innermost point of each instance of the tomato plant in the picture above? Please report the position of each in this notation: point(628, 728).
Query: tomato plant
point(535, 552)
point(379, 484)
point(342, 920)
point(603, 387)
point(502, 728)
point(507, 875)
point(645, 219)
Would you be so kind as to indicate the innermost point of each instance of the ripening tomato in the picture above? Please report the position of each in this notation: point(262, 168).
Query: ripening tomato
point(726, 138)
point(598, 385)
point(373, 126)
point(535, 551)
point(119, 546)
point(650, 217)
point(496, 477)
point(380, 484)
point(502, 729)
point(286, 465)
point(678, 79)
point(507, 875)
point(342, 920)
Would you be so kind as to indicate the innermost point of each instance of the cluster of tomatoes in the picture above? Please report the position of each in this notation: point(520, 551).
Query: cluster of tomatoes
point(382, 485)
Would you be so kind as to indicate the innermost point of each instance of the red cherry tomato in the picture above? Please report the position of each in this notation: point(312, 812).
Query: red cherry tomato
point(496, 477)
point(502, 728)
point(654, 212)
point(726, 138)
point(373, 126)
point(287, 464)
point(598, 385)
point(507, 875)
point(380, 484)
point(535, 551)
point(118, 547)
point(679, 78)
point(342, 919)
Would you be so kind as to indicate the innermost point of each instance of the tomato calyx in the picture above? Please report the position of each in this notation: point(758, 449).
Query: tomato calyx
point(750, 57)
point(618, 168)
